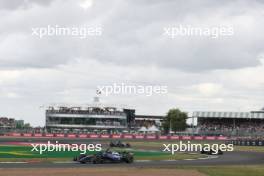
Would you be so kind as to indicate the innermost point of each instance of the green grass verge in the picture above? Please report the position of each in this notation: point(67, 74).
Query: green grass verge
point(159, 145)
point(24, 153)
point(233, 170)
point(249, 148)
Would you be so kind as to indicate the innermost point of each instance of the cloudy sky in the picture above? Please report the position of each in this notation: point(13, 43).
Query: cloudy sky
point(201, 72)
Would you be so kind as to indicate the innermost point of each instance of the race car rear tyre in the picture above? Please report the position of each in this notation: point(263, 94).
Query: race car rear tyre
point(129, 160)
point(97, 161)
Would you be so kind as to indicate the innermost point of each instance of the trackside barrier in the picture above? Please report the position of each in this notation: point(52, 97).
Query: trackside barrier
point(27, 135)
point(49, 135)
point(186, 138)
point(16, 134)
point(93, 136)
point(198, 137)
point(105, 136)
point(222, 138)
point(139, 136)
point(82, 135)
point(59, 135)
point(128, 136)
point(151, 137)
point(245, 142)
point(37, 135)
point(118, 136)
point(71, 135)
point(163, 137)
point(210, 138)
point(174, 137)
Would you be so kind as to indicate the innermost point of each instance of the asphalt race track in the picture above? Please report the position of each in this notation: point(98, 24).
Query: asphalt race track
point(230, 158)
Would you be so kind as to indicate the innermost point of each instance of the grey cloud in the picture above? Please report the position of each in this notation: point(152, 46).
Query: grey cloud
point(24, 4)
point(132, 35)
point(131, 50)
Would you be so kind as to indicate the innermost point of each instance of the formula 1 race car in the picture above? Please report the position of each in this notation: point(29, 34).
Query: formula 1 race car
point(212, 152)
point(106, 157)
point(119, 144)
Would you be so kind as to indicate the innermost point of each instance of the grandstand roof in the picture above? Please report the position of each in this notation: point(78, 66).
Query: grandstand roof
point(149, 117)
point(242, 115)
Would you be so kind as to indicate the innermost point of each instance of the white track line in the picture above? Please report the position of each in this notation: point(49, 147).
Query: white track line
point(64, 162)
point(10, 162)
point(169, 160)
point(209, 157)
point(139, 161)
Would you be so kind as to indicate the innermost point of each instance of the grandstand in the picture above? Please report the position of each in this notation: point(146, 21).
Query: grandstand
point(97, 119)
point(7, 123)
point(230, 123)
point(13, 125)
point(86, 118)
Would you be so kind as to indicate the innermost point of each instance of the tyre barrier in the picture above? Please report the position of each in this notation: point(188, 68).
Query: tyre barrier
point(247, 142)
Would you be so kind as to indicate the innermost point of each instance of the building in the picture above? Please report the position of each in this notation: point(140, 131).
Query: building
point(7, 123)
point(19, 124)
point(90, 118)
point(97, 117)
point(148, 121)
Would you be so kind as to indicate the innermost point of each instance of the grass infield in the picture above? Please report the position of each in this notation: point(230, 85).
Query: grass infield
point(24, 153)
point(255, 170)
